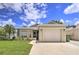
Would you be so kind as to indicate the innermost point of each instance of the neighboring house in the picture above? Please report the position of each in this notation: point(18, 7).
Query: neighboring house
point(69, 32)
point(73, 32)
point(44, 32)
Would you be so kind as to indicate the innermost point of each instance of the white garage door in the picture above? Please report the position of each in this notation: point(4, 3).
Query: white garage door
point(51, 35)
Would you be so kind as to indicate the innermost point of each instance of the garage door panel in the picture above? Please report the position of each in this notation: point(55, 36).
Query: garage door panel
point(51, 35)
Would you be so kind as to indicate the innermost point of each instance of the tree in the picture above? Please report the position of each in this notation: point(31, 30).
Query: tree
point(55, 22)
point(2, 31)
point(9, 29)
point(13, 30)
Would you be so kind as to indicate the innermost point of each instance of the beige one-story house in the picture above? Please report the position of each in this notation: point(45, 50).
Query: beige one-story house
point(44, 32)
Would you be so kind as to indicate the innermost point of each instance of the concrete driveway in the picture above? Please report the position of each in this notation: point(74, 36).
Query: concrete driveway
point(68, 48)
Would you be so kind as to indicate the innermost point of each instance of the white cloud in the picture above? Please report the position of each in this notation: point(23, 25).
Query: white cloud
point(9, 21)
point(31, 23)
point(43, 4)
point(30, 10)
point(32, 13)
point(24, 24)
point(67, 21)
point(39, 22)
point(14, 6)
point(76, 19)
point(61, 20)
point(24, 18)
point(73, 8)
point(3, 16)
point(77, 22)
point(18, 7)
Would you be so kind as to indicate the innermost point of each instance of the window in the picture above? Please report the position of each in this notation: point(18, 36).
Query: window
point(24, 34)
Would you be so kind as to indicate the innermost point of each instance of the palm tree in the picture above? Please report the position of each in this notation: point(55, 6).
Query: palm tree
point(9, 29)
point(55, 22)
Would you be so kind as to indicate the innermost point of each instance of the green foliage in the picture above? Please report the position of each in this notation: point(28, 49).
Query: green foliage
point(2, 31)
point(55, 22)
point(9, 29)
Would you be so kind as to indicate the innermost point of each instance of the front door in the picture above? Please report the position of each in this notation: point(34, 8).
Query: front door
point(35, 34)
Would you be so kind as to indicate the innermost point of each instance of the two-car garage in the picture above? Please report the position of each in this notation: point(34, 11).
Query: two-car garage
point(52, 32)
point(51, 35)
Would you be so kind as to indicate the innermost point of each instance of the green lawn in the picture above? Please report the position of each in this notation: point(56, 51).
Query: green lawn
point(17, 47)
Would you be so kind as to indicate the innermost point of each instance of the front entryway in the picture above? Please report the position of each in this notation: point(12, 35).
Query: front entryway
point(36, 34)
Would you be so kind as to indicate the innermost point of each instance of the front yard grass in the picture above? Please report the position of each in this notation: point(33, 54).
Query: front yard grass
point(15, 47)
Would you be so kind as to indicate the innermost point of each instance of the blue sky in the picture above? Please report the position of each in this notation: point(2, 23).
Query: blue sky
point(29, 14)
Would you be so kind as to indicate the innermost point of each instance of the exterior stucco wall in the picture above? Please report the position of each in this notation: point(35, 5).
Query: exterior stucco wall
point(26, 32)
point(63, 35)
point(40, 34)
